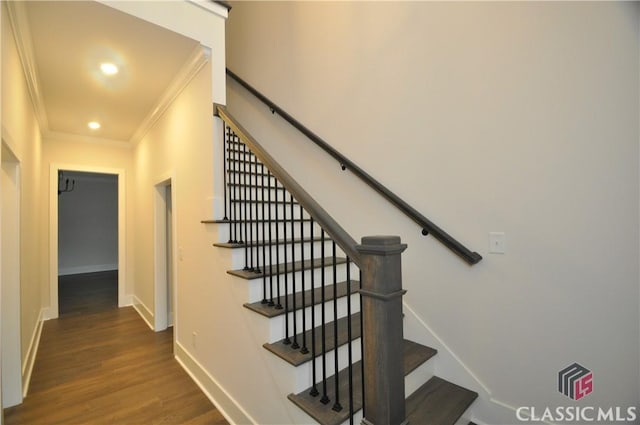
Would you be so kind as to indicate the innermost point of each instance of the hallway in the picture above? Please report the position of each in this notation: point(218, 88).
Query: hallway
point(99, 365)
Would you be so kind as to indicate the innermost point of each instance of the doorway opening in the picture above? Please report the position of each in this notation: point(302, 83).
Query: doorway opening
point(87, 238)
point(165, 270)
point(87, 242)
point(10, 279)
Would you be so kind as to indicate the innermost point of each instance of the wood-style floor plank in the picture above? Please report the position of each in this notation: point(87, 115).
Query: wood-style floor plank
point(105, 366)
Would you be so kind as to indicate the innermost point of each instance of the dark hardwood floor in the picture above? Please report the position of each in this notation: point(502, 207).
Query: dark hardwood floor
point(98, 364)
point(88, 292)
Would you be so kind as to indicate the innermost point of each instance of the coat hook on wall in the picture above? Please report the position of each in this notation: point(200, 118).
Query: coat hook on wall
point(64, 188)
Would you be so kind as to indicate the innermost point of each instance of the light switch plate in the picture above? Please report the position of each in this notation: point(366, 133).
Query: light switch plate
point(497, 243)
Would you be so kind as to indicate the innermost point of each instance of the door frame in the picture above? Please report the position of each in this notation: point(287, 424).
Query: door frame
point(161, 280)
point(11, 355)
point(123, 298)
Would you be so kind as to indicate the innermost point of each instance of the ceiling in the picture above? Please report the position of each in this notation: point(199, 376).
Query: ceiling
point(69, 42)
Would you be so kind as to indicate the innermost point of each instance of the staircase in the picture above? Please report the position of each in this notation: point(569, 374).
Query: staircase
point(317, 289)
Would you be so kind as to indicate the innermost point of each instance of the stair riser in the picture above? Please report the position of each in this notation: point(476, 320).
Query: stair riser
point(306, 372)
point(419, 376)
point(255, 192)
point(278, 253)
point(254, 210)
point(250, 180)
point(257, 233)
point(256, 286)
point(238, 256)
point(276, 325)
point(300, 377)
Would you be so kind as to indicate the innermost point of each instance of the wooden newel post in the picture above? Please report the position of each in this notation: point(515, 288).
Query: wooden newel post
point(383, 364)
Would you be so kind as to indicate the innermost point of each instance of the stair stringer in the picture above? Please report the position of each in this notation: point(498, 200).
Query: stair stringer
point(485, 410)
point(236, 372)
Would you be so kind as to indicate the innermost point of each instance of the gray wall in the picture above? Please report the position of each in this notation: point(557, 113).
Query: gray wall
point(88, 224)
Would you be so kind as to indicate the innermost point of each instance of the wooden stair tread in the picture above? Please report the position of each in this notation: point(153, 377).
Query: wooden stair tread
point(296, 357)
point(273, 243)
point(251, 173)
point(290, 267)
point(271, 311)
point(288, 220)
point(265, 202)
point(256, 186)
point(324, 414)
point(438, 402)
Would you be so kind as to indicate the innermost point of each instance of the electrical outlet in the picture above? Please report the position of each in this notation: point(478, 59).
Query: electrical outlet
point(194, 337)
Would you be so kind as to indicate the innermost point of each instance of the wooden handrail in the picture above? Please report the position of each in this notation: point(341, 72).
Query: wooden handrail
point(428, 227)
point(330, 226)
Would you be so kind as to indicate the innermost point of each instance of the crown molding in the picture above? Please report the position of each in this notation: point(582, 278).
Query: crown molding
point(198, 58)
point(220, 8)
point(58, 136)
point(19, 23)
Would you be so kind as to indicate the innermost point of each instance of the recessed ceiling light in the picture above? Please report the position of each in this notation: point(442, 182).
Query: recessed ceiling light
point(108, 68)
point(94, 125)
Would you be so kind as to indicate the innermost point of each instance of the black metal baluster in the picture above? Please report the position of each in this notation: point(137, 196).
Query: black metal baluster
point(225, 157)
point(295, 344)
point(279, 304)
point(362, 353)
point(271, 303)
point(349, 337)
point(304, 349)
point(253, 164)
point(314, 388)
point(236, 191)
point(228, 168)
point(336, 405)
point(287, 340)
point(243, 207)
point(325, 397)
point(249, 205)
point(264, 236)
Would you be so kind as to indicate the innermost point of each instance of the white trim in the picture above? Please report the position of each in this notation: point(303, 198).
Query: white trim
point(143, 311)
point(212, 7)
point(59, 136)
point(226, 404)
point(198, 58)
point(30, 360)
point(93, 177)
point(22, 34)
point(161, 301)
point(123, 299)
point(87, 269)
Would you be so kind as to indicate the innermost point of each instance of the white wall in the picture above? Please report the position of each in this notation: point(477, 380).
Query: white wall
point(21, 135)
point(88, 224)
point(513, 117)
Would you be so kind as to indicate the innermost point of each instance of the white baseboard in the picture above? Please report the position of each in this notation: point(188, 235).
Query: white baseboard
point(486, 409)
point(125, 300)
point(226, 404)
point(65, 271)
point(27, 367)
point(143, 311)
point(47, 313)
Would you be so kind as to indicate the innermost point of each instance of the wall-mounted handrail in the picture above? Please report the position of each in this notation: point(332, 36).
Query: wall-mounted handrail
point(337, 233)
point(428, 227)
